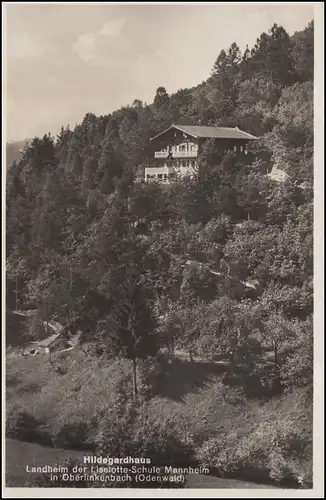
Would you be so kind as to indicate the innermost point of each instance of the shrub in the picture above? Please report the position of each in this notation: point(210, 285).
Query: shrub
point(232, 455)
point(278, 449)
point(297, 371)
point(127, 430)
point(72, 436)
point(160, 442)
point(22, 425)
point(151, 371)
point(279, 468)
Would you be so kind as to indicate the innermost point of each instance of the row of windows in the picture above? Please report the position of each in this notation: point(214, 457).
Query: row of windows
point(182, 147)
point(194, 147)
point(242, 149)
point(183, 163)
point(188, 163)
point(161, 176)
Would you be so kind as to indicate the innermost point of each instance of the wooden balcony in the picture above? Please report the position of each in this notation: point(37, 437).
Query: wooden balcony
point(176, 154)
point(159, 170)
point(166, 173)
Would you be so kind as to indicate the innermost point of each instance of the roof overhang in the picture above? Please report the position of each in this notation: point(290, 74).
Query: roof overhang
point(185, 130)
point(176, 127)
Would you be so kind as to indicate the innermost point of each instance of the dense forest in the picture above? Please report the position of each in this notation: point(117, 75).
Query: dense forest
point(127, 266)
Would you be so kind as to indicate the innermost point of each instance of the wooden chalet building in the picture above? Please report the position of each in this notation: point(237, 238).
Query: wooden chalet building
point(177, 148)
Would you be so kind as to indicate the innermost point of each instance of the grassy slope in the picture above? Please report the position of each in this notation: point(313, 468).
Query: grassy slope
point(81, 388)
point(192, 394)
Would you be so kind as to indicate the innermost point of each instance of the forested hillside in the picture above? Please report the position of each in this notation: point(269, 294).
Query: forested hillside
point(13, 152)
point(129, 264)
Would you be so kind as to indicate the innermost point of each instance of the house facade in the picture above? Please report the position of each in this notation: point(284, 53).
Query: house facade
point(176, 150)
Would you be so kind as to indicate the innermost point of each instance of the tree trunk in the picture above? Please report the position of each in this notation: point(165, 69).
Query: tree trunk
point(50, 358)
point(69, 318)
point(69, 302)
point(16, 306)
point(190, 356)
point(276, 384)
point(46, 320)
point(248, 213)
point(275, 358)
point(134, 376)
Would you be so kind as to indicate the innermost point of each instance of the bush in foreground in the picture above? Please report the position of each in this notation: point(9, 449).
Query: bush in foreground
point(22, 425)
point(277, 449)
point(72, 436)
point(127, 430)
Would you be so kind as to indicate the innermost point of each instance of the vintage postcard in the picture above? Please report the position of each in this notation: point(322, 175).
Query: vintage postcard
point(163, 248)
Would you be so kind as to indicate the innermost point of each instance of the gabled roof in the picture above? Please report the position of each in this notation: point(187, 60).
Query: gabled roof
point(205, 132)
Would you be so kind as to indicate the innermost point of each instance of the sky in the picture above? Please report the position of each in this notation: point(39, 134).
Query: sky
point(62, 61)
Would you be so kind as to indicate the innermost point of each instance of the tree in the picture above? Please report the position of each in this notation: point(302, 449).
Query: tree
point(62, 143)
point(137, 103)
point(148, 203)
point(297, 370)
point(161, 99)
point(277, 331)
point(109, 167)
point(271, 56)
point(129, 329)
point(257, 97)
point(283, 202)
point(89, 171)
point(42, 292)
point(291, 140)
point(225, 76)
point(198, 284)
point(303, 53)
point(180, 106)
point(250, 250)
point(251, 195)
point(184, 323)
point(231, 331)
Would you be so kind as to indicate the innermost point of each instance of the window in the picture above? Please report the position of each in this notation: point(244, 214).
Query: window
point(182, 147)
point(159, 176)
point(241, 149)
point(235, 149)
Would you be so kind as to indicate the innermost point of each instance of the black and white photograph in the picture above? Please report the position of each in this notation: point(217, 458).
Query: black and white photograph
point(161, 330)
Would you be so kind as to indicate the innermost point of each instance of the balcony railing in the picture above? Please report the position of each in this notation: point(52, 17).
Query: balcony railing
point(176, 154)
point(159, 170)
point(167, 173)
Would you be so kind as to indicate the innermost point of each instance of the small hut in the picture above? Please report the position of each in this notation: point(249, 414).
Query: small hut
point(44, 346)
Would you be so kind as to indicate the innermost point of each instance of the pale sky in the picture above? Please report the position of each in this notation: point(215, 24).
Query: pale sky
point(63, 61)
